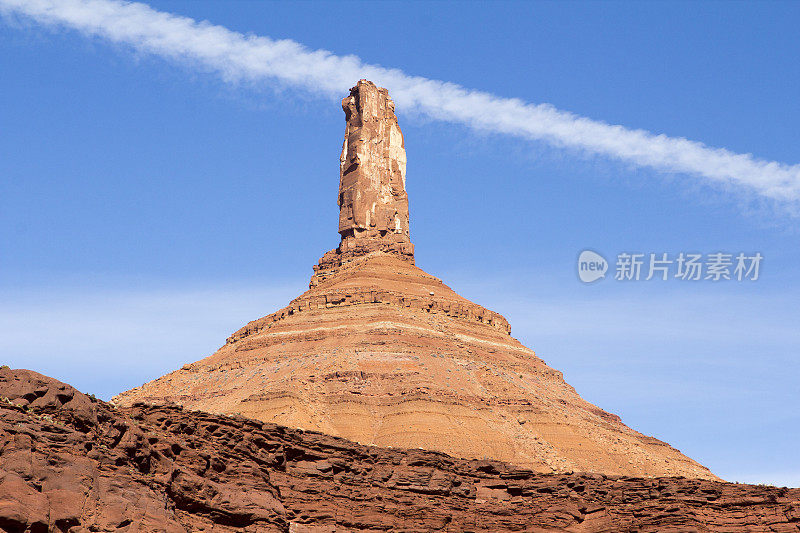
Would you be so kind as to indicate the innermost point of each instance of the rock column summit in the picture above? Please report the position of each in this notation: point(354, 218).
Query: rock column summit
point(382, 353)
point(373, 204)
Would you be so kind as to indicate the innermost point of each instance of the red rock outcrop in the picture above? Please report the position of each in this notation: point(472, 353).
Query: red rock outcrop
point(373, 204)
point(69, 463)
point(382, 353)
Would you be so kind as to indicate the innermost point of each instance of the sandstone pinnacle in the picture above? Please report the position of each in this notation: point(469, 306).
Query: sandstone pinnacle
point(382, 353)
point(373, 204)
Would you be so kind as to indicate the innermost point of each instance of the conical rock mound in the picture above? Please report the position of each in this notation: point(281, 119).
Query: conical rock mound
point(382, 353)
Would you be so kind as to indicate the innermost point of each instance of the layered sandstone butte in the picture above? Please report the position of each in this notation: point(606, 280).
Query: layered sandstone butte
point(381, 353)
point(73, 464)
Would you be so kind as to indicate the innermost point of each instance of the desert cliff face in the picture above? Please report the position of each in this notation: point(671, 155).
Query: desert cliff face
point(372, 169)
point(70, 463)
point(381, 353)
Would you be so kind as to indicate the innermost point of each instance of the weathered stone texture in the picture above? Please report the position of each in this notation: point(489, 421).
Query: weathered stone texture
point(69, 463)
point(373, 204)
point(372, 185)
point(384, 354)
point(379, 352)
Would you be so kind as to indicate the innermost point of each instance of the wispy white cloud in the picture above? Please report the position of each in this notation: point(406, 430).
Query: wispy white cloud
point(239, 57)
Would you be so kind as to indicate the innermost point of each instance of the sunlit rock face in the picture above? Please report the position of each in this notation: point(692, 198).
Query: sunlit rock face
point(372, 185)
point(382, 353)
point(373, 204)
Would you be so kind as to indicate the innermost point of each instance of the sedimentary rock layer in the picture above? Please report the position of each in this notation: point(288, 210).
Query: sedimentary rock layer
point(379, 352)
point(73, 464)
point(431, 370)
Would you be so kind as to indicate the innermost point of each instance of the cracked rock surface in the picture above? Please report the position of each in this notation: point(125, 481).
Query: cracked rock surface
point(382, 353)
point(71, 463)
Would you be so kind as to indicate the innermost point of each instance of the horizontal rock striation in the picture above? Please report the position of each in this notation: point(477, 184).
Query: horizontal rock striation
point(70, 463)
point(389, 375)
point(434, 297)
point(381, 353)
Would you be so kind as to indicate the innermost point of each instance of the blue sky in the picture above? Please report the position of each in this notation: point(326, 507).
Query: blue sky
point(149, 207)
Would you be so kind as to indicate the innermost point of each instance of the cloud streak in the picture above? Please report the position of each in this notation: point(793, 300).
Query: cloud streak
point(238, 57)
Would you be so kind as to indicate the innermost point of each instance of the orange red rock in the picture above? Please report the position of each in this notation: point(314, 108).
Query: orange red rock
point(373, 204)
point(382, 353)
point(69, 463)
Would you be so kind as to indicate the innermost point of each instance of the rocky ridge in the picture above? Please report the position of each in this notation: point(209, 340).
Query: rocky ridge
point(75, 464)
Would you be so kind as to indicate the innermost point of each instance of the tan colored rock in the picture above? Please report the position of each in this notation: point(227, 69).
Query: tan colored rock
point(372, 174)
point(373, 204)
point(382, 353)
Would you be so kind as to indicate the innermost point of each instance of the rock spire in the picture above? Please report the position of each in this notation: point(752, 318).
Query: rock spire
point(380, 352)
point(373, 204)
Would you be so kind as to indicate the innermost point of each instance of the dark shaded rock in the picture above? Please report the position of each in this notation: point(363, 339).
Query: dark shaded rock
point(77, 464)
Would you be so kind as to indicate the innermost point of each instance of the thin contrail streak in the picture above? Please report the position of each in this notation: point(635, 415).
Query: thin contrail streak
point(236, 56)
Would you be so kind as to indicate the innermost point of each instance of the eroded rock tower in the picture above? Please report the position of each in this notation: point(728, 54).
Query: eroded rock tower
point(380, 352)
point(373, 204)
